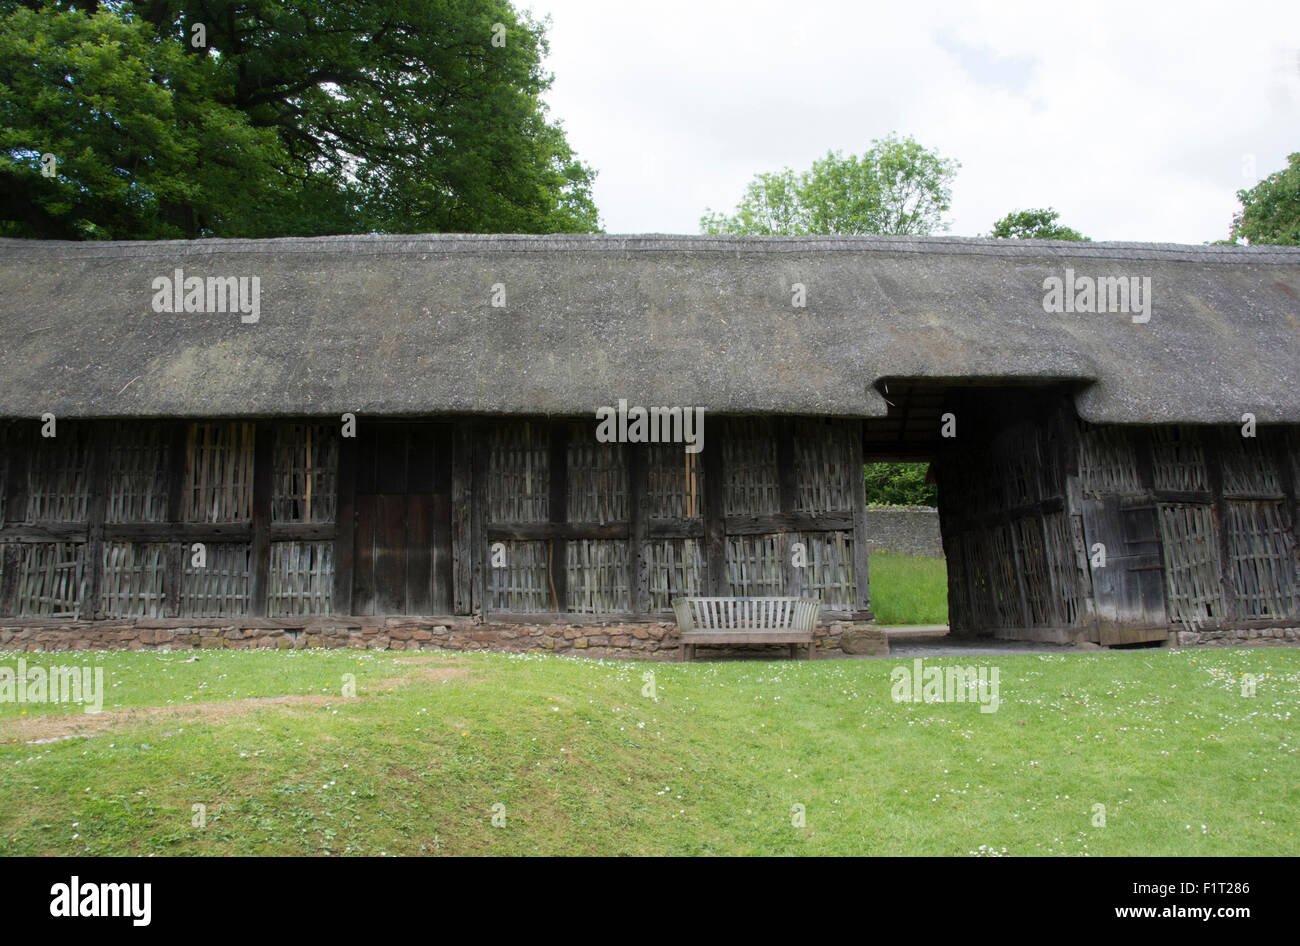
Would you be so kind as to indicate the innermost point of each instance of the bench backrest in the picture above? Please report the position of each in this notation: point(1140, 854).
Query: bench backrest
point(750, 614)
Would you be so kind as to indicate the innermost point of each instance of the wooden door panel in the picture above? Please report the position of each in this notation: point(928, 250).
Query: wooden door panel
point(402, 532)
point(363, 557)
point(1130, 589)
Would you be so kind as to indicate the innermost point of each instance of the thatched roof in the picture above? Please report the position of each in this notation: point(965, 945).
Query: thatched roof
point(404, 325)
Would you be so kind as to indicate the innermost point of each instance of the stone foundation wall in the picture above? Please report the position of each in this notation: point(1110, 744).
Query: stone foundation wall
point(1236, 638)
point(642, 641)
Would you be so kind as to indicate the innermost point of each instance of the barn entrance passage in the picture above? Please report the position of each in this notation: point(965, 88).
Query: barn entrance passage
point(1016, 520)
point(402, 538)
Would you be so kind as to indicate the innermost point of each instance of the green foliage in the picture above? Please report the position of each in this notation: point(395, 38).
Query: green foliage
point(1270, 211)
point(297, 118)
point(899, 484)
point(896, 187)
point(1039, 224)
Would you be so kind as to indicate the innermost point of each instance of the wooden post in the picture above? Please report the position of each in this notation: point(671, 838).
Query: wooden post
point(478, 497)
point(345, 525)
point(462, 502)
point(715, 516)
point(96, 504)
point(788, 495)
point(12, 552)
point(1018, 559)
point(861, 536)
point(260, 559)
point(1290, 477)
point(1215, 444)
point(177, 436)
point(638, 510)
point(17, 444)
point(558, 548)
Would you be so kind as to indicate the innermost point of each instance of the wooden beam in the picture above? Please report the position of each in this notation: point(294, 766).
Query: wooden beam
point(638, 507)
point(1290, 477)
point(345, 525)
point(182, 531)
point(558, 478)
point(790, 522)
point(543, 531)
point(1018, 560)
point(12, 553)
point(19, 446)
point(1214, 444)
point(478, 518)
point(96, 506)
point(861, 534)
point(16, 444)
point(462, 501)
point(674, 528)
point(792, 579)
point(715, 517)
point(177, 436)
point(260, 559)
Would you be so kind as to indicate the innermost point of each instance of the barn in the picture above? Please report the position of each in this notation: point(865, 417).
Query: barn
point(395, 441)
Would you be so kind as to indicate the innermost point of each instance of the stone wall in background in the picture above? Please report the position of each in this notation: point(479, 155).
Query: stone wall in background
point(906, 530)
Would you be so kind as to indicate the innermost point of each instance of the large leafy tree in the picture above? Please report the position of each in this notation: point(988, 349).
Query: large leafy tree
point(292, 117)
point(899, 484)
point(1270, 211)
point(897, 186)
point(1040, 223)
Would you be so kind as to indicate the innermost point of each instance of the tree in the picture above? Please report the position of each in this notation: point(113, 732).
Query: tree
point(899, 484)
point(1038, 224)
point(1270, 211)
point(896, 187)
point(292, 117)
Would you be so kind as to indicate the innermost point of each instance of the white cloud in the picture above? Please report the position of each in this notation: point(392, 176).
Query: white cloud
point(1131, 119)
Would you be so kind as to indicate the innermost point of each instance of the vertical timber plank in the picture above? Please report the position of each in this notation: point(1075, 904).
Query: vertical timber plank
point(97, 503)
point(638, 508)
point(177, 439)
point(478, 499)
point(462, 542)
point(12, 552)
point(1215, 443)
point(363, 570)
point(559, 510)
point(18, 444)
point(260, 559)
point(345, 527)
point(861, 535)
point(1290, 476)
point(715, 517)
point(788, 496)
point(20, 448)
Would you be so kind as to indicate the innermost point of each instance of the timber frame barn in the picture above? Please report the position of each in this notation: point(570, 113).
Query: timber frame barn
point(1102, 476)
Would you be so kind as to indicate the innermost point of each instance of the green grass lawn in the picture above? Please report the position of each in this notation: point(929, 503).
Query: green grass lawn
point(908, 589)
point(584, 763)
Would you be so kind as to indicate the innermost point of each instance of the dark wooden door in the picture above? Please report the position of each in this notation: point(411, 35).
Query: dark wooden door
point(403, 520)
point(1130, 590)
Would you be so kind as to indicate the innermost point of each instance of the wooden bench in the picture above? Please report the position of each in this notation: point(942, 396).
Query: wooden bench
point(746, 621)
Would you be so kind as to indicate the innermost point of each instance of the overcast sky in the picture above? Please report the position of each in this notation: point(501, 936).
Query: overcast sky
point(1136, 120)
